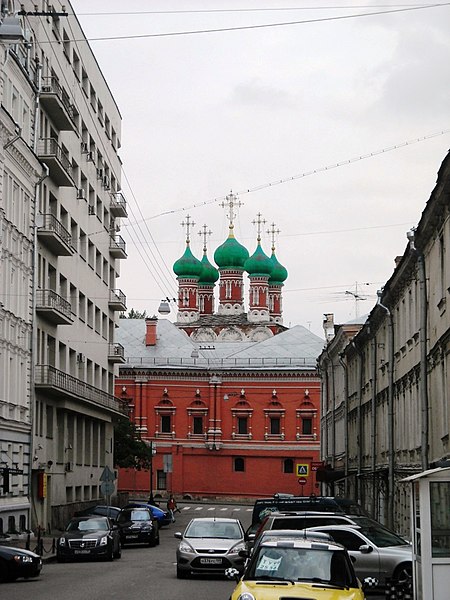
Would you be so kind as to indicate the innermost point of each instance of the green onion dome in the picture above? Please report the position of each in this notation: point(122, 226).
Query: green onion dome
point(209, 274)
point(231, 254)
point(259, 263)
point(279, 273)
point(187, 265)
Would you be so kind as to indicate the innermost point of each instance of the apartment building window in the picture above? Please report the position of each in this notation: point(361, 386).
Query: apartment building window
point(85, 82)
point(90, 314)
point(76, 64)
point(66, 45)
point(442, 268)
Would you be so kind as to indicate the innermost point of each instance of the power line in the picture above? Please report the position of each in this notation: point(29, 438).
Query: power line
point(262, 26)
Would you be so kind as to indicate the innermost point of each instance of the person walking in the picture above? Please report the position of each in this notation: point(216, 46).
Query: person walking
point(172, 507)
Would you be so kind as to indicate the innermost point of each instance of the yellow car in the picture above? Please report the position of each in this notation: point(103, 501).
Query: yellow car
point(298, 567)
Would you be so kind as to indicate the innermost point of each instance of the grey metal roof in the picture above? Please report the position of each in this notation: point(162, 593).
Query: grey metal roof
point(294, 348)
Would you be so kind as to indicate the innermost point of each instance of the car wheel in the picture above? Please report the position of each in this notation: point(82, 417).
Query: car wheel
point(182, 574)
point(403, 573)
point(118, 552)
point(152, 542)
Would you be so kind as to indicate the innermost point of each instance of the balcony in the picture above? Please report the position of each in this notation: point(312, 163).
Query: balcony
point(51, 154)
point(117, 300)
point(118, 206)
point(55, 236)
point(52, 307)
point(63, 386)
point(56, 102)
point(117, 247)
point(116, 353)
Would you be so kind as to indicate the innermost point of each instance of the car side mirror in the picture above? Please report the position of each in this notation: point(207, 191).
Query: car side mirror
point(365, 549)
point(178, 535)
point(244, 553)
point(232, 573)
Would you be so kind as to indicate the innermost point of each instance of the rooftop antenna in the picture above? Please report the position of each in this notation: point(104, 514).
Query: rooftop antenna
point(356, 295)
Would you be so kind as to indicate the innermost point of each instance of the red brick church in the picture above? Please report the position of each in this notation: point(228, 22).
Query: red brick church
point(228, 398)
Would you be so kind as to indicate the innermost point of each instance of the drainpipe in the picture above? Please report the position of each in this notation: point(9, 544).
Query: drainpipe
point(391, 462)
point(360, 428)
point(333, 420)
point(423, 334)
point(344, 366)
point(374, 427)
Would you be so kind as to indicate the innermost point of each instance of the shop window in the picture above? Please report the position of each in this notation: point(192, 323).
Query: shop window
point(275, 426)
point(288, 465)
point(307, 426)
point(197, 425)
point(239, 464)
point(242, 425)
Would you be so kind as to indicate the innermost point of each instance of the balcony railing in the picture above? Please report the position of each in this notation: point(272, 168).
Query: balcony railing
point(116, 353)
point(118, 206)
point(211, 364)
point(51, 153)
point(117, 247)
point(56, 102)
point(117, 300)
point(55, 236)
point(53, 307)
point(61, 385)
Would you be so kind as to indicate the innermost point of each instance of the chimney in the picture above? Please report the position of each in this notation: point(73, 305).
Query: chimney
point(328, 326)
point(150, 331)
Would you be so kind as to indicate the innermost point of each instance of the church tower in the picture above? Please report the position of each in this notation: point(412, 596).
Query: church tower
point(259, 268)
point(188, 270)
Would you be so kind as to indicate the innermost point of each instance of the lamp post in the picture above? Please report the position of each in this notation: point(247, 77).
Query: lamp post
point(215, 444)
point(152, 447)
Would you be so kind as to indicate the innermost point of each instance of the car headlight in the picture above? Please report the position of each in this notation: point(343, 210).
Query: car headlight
point(104, 540)
point(185, 547)
point(246, 596)
point(27, 559)
point(236, 549)
point(62, 541)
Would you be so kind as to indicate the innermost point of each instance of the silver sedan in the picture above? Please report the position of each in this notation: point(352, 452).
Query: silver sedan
point(209, 546)
point(375, 550)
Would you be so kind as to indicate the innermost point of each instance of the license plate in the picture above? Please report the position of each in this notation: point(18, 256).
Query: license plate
point(82, 551)
point(132, 536)
point(211, 561)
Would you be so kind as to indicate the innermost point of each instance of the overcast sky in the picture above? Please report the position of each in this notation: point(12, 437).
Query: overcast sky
point(207, 113)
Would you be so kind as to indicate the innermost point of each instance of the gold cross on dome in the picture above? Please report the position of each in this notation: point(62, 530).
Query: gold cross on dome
point(272, 231)
point(205, 232)
point(258, 222)
point(231, 202)
point(188, 224)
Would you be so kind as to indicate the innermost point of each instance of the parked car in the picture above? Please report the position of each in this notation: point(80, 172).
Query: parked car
point(280, 534)
point(376, 551)
point(101, 509)
point(16, 562)
point(210, 545)
point(296, 520)
point(298, 568)
point(162, 516)
point(89, 537)
point(288, 502)
point(137, 526)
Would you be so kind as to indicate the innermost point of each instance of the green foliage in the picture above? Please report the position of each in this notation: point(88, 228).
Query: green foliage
point(134, 314)
point(129, 450)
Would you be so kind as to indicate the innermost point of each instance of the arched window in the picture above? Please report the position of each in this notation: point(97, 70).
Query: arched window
point(239, 464)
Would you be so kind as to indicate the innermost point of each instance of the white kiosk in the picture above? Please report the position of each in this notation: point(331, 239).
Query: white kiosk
point(430, 524)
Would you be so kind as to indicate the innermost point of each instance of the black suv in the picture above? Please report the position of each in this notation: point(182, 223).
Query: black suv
point(137, 526)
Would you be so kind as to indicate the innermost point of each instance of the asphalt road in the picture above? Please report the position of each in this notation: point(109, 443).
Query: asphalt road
point(142, 573)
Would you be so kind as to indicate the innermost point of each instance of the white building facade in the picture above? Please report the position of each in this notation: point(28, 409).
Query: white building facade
point(386, 389)
point(60, 211)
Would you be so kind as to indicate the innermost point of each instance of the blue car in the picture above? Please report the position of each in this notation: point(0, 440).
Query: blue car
point(162, 516)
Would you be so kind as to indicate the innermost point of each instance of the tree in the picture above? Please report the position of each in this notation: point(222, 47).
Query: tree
point(134, 314)
point(129, 450)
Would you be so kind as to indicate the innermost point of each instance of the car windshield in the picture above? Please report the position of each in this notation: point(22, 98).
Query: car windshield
point(134, 515)
point(213, 529)
point(88, 525)
point(330, 567)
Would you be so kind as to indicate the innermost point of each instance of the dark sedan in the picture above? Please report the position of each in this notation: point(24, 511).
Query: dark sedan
point(162, 516)
point(138, 526)
point(89, 537)
point(16, 562)
point(100, 509)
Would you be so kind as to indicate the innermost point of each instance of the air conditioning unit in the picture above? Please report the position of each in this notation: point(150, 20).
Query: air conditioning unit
point(47, 89)
point(99, 173)
point(80, 357)
point(90, 157)
point(106, 183)
point(91, 210)
point(81, 194)
point(84, 148)
point(68, 466)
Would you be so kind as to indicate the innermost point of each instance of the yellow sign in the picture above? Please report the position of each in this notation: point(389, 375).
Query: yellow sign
point(302, 470)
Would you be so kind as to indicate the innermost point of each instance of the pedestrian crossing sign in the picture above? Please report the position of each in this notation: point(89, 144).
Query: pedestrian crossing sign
point(302, 470)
